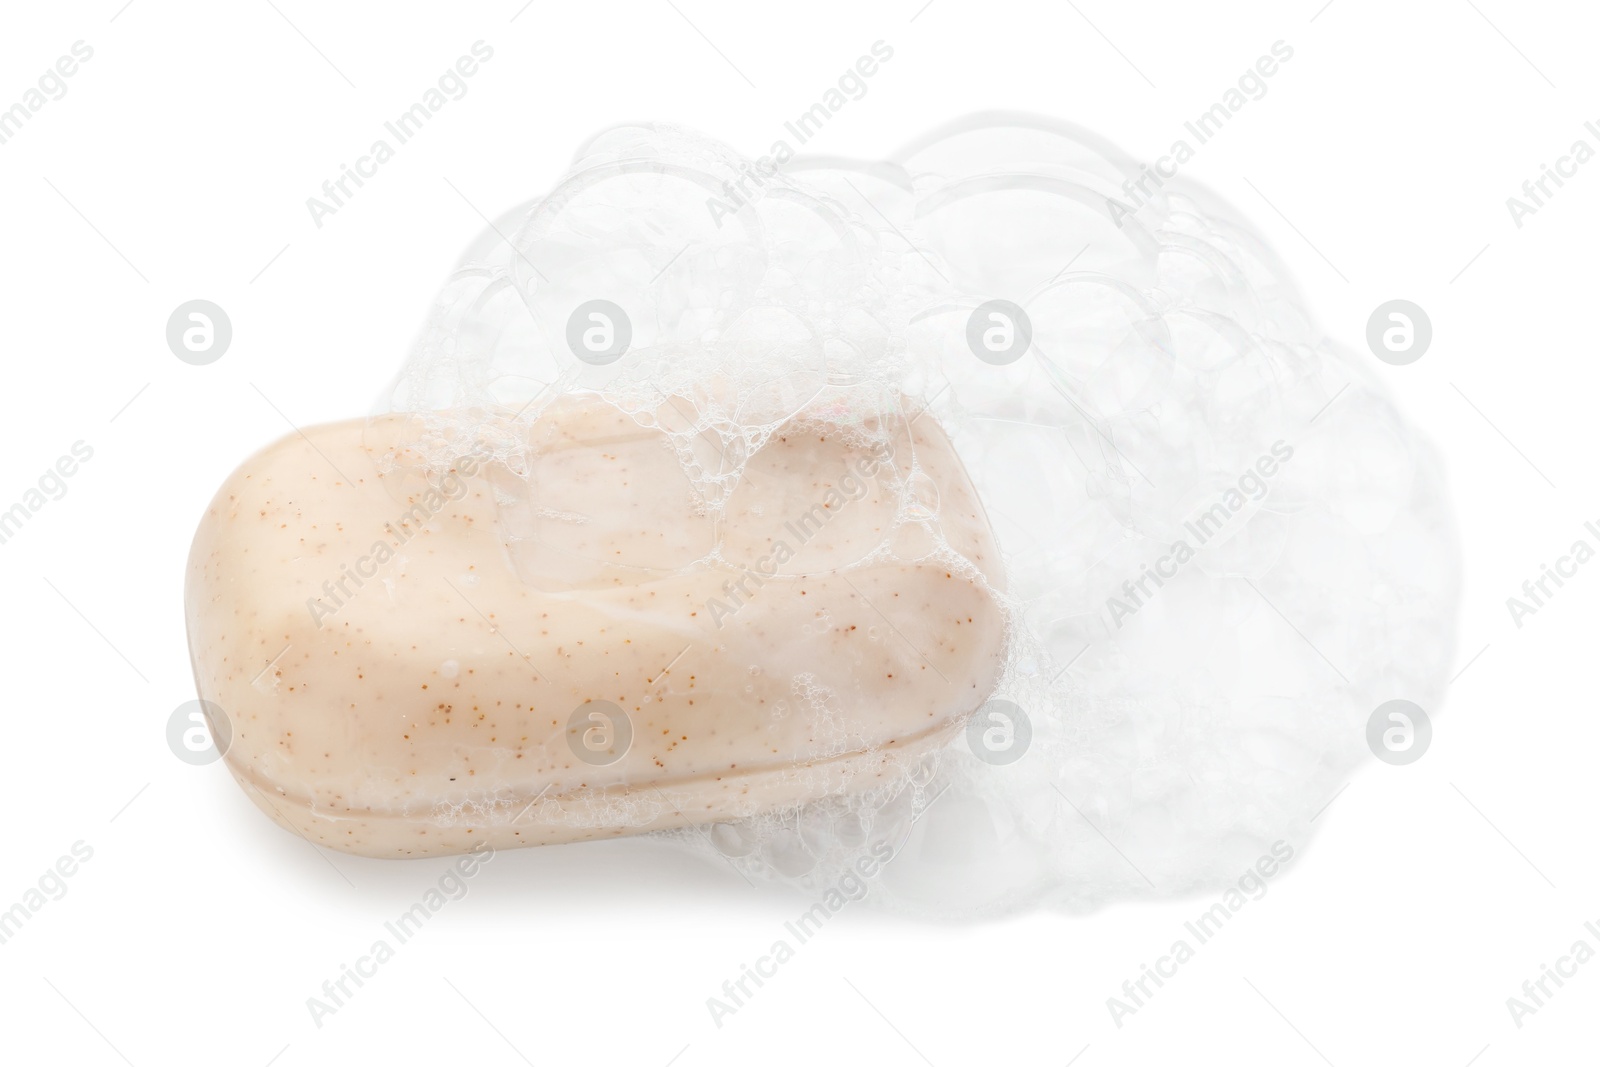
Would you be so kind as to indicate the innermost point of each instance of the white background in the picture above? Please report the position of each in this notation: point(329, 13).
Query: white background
point(177, 166)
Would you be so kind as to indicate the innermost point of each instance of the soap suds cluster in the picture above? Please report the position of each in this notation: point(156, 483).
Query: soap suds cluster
point(1196, 641)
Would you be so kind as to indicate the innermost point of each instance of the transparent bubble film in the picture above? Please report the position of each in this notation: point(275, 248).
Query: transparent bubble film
point(1191, 543)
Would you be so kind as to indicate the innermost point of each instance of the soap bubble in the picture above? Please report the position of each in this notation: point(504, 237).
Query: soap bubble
point(1222, 546)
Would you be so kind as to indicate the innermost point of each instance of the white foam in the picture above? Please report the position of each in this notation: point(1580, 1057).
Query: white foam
point(1171, 744)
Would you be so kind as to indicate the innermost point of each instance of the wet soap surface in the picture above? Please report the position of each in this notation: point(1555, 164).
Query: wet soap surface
point(410, 668)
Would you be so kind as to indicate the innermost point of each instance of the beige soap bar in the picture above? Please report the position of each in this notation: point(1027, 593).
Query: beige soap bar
point(585, 649)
